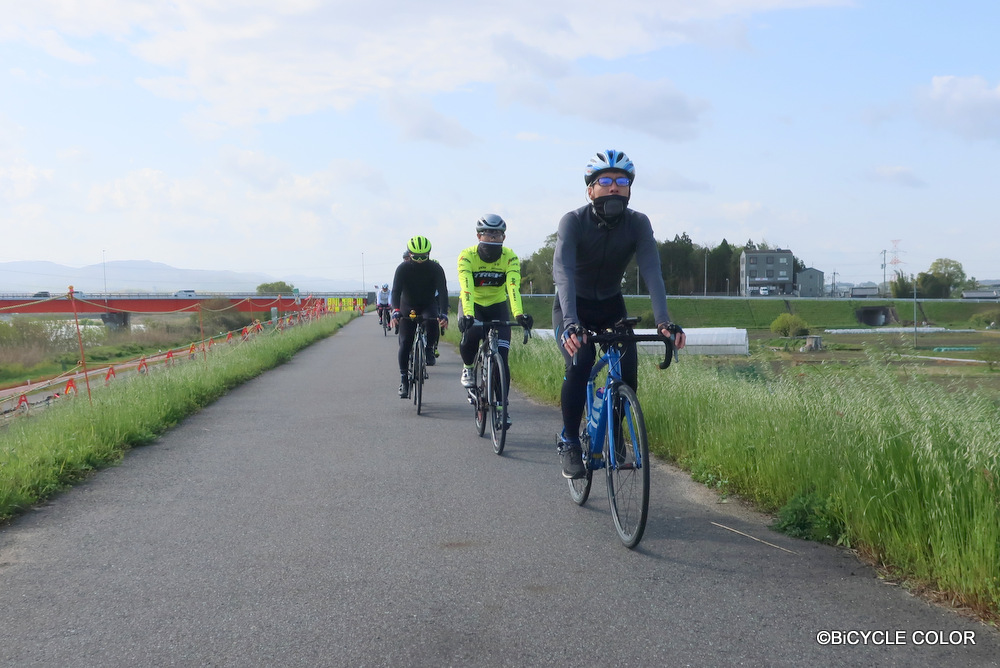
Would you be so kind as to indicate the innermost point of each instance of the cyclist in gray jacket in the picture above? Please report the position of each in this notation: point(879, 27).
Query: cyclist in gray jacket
point(594, 246)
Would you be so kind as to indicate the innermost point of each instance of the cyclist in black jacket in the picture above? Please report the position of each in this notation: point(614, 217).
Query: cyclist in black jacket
point(594, 245)
point(419, 285)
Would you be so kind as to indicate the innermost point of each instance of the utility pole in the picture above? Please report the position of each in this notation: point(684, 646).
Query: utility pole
point(833, 286)
point(706, 272)
point(883, 269)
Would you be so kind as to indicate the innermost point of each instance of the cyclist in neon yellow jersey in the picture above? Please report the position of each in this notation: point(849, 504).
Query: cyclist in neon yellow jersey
point(489, 277)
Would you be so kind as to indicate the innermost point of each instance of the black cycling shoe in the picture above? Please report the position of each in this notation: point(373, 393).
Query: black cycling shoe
point(571, 455)
point(431, 360)
point(404, 389)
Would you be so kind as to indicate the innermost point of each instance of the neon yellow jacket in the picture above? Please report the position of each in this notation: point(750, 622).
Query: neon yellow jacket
point(488, 283)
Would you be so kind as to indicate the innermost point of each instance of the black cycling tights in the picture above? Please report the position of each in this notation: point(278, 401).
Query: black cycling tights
point(471, 337)
point(407, 329)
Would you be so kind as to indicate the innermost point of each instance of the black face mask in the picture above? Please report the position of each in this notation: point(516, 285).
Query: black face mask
point(489, 252)
point(609, 209)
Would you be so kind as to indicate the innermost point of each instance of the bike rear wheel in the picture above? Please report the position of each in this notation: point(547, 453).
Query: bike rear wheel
point(628, 471)
point(579, 488)
point(496, 385)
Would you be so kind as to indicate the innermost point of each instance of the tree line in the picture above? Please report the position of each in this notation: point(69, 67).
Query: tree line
point(688, 268)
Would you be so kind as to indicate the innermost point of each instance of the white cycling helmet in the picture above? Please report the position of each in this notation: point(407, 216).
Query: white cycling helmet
point(606, 161)
point(491, 223)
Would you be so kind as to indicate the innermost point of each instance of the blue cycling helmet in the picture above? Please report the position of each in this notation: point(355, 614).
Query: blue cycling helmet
point(606, 161)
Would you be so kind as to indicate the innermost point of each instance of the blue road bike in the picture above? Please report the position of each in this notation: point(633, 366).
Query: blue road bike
point(614, 436)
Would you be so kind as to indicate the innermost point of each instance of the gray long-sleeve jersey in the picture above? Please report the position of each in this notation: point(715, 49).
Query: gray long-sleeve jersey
point(590, 261)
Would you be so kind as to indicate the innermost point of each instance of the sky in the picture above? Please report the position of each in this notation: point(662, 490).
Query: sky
point(314, 137)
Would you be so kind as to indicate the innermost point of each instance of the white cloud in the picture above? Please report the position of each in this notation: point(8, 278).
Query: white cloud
point(741, 210)
point(20, 180)
point(655, 108)
point(140, 190)
point(968, 106)
point(900, 176)
point(670, 181)
point(256, 168)
point(255, 62)
point(418, 120)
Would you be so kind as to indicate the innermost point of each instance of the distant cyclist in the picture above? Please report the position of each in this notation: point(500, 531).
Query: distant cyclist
point(594, 246)
point(489, 276)
point(419, 286)
point(382, 303)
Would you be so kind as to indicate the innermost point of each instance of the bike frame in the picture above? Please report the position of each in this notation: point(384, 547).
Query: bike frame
point(479, 393)
point(611, 360)
point(416, 376)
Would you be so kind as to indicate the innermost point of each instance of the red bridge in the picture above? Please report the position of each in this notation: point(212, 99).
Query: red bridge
point(116, 308)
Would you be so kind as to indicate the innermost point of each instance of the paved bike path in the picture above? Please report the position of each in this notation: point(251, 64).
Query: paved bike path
point(311, 518)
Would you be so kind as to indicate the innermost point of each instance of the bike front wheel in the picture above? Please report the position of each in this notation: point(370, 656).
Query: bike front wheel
point(480, 404)
point(496, 384)
point(627, 466)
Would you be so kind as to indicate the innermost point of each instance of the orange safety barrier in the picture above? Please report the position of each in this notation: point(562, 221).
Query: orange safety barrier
point(289, 319)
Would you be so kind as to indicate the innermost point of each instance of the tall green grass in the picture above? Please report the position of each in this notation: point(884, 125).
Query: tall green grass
point(897, 467)
point(43, 453)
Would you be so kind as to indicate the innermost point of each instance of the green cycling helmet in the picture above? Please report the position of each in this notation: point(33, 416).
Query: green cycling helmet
point(419, 246)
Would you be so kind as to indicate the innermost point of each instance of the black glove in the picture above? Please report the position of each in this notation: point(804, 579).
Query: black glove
point(571, 330)
point(668, 328)
point(525, 320)
point(465, 323)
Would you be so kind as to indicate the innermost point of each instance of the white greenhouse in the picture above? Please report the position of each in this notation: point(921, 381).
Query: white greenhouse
point(707, 341)
point(700, 341)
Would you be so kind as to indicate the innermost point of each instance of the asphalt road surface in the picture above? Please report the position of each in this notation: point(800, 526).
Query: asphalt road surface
point(312, 518)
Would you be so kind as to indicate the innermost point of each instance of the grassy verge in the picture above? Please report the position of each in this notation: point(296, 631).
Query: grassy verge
point(44, 453)
point(902, 469)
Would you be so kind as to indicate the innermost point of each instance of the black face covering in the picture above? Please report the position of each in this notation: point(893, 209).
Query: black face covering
point(489, 252)
point(609, 209)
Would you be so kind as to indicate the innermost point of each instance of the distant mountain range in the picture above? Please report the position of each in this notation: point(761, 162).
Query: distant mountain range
point(137, 276)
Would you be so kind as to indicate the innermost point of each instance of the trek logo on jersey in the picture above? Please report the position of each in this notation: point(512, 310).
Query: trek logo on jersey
point(488, 278)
